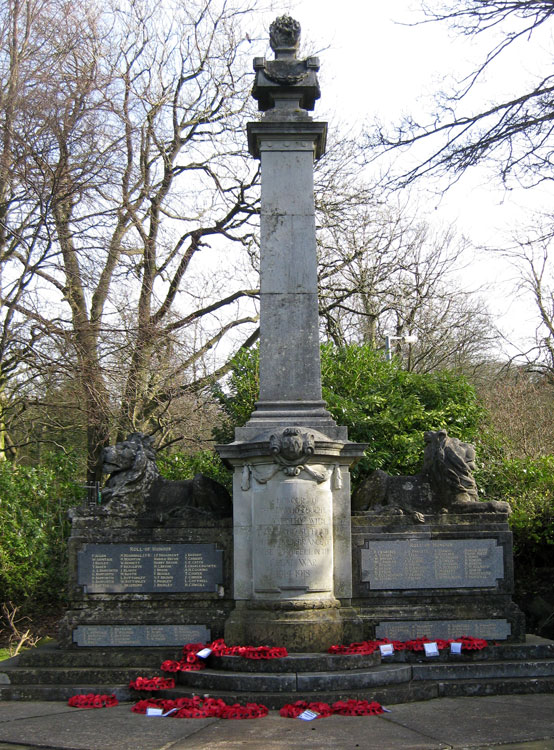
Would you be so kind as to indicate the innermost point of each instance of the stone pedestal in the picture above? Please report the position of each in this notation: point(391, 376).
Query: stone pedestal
point(443, 576)
point(293, 575)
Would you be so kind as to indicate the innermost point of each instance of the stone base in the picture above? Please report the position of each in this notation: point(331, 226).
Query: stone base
point(299, 631)
point(441, 576)
point(105, 615)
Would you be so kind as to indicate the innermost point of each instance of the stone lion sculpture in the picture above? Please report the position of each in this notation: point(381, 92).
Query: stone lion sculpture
point(445, 483)
point(136, 487)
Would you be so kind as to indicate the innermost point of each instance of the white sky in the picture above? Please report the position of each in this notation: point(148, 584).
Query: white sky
point(373, 65)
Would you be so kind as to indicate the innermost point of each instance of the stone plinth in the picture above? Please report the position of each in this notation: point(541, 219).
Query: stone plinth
point(146, 583)
point(291, 528)
point(441, 576)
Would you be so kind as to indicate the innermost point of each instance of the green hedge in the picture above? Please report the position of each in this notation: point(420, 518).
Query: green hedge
point(381, 404)
point(528, 485)
point(33, 516)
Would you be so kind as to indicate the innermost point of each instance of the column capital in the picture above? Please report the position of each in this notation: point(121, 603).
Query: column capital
point(290, 131)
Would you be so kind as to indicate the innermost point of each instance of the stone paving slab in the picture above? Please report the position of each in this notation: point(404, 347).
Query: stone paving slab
point(94, 729)
point(515, 722)
point(14, 710)
point(474, 722)
point(332, 733)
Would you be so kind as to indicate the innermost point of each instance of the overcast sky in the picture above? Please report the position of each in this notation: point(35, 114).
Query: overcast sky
point(375, 64)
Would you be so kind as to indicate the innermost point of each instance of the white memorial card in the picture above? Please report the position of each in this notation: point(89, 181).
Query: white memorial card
point(204, 653)
point(455, 648)
point(153, 711)
point(431, 649)
point(308, 715)
point(386, 649)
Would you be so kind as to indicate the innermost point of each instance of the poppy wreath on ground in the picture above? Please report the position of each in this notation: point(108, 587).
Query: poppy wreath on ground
point(357, 708)
point(250, 711)
point(193, 648)
point(191, 662)
point(202, 708)
point(92, 700)
point(416, 644)
point(219, 648)
point(152, 683)
point(342, 708)
point(471, 644)
point(293, 710)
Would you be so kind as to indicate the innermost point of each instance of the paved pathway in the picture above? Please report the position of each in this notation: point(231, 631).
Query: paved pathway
point(525, 722)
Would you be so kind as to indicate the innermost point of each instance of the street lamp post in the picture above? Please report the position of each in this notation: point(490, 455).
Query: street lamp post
point(408, 339)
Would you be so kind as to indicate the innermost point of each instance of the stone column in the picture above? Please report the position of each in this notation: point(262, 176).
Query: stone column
point(291, 494)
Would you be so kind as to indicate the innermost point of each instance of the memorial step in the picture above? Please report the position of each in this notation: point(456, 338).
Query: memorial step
point(296, 663)
point(51, 656)
point(497, 686)
point(73, 675)
point(61, 692)
point(534, 648)
point(484, 670)
point(301, 682)
point(405, 692)
point(48, 673)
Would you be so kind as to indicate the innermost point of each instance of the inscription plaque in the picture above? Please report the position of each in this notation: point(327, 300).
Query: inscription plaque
point(432, 563)
point(140, 635)
point(127, 568)
point(293, 538)
point(403, 630)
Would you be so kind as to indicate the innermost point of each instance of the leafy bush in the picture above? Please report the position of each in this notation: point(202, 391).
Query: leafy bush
point(182, 466)
point(381, 404)
point(33, 517)
point(528, 485)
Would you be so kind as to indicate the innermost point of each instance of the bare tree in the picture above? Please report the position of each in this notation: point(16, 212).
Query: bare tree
point(382, 272)
point(25, 245)
point(140, 160)
point(519, 404)
point(531, 256)
point(515, 133)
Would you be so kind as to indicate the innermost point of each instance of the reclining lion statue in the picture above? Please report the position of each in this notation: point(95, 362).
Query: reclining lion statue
point(135, 486)
point(445, 483)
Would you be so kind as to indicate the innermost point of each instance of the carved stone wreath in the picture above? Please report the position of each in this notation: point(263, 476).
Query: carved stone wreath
point(283, 78)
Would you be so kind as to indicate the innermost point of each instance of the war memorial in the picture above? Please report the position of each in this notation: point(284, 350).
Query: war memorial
point(293, 560)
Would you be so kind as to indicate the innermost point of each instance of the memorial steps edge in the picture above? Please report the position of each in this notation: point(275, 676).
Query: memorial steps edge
point(75, 675)
point(144, 657)
point(49, 673)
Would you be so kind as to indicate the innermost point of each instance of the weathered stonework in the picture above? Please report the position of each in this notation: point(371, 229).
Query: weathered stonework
point(444, 576)
point(159, 613)
point(291, 494)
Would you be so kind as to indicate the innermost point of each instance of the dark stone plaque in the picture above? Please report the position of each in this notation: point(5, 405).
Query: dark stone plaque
point(432, 563)
point(403, 630)
point(140, 635)
point(128, 568)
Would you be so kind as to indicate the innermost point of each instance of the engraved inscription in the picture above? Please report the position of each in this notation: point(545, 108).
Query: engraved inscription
point(125, 568)
point(140, 635)
point(293, 542)
point(403, 630)
point(432, 563)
